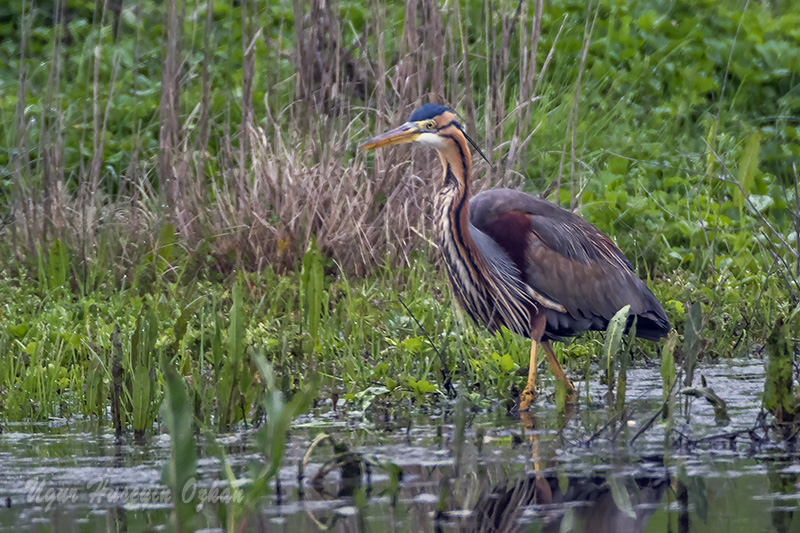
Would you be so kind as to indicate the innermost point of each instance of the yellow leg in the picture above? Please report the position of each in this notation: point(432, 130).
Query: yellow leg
point(542, 492)
point(529, 425)
point(530, 394)
point(558, 372)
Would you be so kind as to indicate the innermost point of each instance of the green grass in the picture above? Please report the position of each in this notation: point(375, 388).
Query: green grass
point(391, 339)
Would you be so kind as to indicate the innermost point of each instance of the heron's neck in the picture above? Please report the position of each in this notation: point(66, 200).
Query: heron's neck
point(452, 199)
point(491, 294)
point(464, 262)
point(458, 249)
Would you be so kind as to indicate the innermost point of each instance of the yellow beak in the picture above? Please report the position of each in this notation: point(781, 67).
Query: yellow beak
point(406, 133)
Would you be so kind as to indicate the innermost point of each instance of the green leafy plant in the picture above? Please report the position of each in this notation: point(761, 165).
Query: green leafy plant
point(143, 372)
point(691, 341)
point(180, 470)
point(780, 398)
point(312, 289)
point(231, 367)
point(613, 344)
point(270, 440)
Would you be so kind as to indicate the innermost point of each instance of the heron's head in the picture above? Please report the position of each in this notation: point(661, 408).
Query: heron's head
point(432, 125)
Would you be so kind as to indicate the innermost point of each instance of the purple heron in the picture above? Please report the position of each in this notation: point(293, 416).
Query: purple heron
point(521, 262)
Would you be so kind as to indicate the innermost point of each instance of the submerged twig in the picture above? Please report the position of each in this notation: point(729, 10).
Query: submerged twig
point(602, 429)
point(729, 435)
point(649, 423)
point(623, 424)
point(655, 416)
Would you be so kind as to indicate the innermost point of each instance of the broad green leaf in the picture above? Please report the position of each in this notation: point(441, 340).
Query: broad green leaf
point(425, 387)
point(668, 364)
point(560, 395)
point(312, 285)
point(507, 363)
point(226, 403)
point(619, 492)
point(141, 397)
point(413, 344)
point(179, 472)
point(622, 387)
point(18, 330)
point(614, 331)
point(151, 323)
point(748, 166)
point(761, 201)
point(691, 341)
point(230, 367)
point(57, 265)
point(143, 341)
point(778, 395)
point(624, 358)
point(166, 245)
point(136, 342)
point(272, 436)
point(236, 330)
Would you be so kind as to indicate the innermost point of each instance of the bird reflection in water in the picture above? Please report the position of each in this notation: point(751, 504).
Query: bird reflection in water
point(587, 504)
point(593, 504)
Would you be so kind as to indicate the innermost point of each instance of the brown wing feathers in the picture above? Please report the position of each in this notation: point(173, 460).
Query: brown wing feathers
point(568, 260)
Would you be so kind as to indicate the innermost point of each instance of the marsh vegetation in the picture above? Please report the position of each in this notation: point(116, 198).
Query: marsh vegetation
point(190, 242)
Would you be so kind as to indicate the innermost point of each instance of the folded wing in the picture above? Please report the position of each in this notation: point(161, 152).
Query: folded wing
point(566, 260)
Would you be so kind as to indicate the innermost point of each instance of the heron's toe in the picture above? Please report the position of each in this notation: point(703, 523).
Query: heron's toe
point(527, 398)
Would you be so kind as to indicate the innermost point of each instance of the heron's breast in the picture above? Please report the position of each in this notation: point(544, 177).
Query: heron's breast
point(482, 291)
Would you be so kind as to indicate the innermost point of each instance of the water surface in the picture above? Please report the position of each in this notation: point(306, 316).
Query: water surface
point(590, 469)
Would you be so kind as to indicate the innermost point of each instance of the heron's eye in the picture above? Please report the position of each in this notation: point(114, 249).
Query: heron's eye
point(431, 124)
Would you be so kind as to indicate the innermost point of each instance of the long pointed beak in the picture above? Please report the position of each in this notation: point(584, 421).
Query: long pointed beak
point(406, 133)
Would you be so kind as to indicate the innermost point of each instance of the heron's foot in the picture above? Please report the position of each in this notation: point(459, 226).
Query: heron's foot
point(527, 397)
point(528, 421)
point(570, 395)
point(560, 375)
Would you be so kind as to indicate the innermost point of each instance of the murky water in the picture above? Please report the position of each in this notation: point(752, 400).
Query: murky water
point(592, 469)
